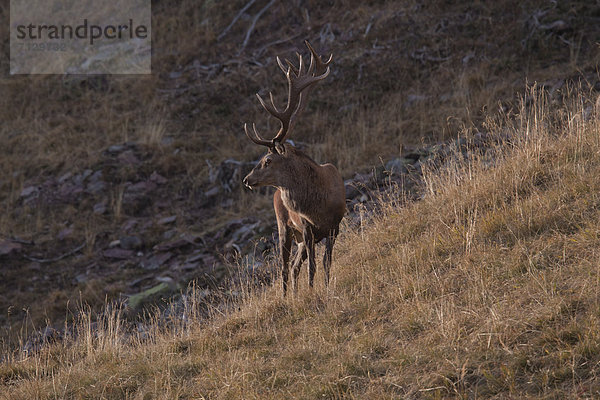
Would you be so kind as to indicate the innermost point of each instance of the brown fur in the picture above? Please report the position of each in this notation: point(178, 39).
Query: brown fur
point(309, 203)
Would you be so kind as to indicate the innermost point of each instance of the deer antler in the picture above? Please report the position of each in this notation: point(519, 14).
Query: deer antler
point(300, 83)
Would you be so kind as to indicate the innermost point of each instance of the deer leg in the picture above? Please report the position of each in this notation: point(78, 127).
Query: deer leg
point(309, 241)
point(285, 246)
point(300, 257)
point(329, 242)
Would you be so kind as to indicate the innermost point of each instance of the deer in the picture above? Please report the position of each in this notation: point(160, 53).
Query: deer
point(310, 198)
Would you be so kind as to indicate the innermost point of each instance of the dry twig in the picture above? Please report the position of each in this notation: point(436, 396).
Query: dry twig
point(58, 258)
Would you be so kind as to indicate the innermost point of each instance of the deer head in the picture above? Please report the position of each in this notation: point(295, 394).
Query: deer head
point(300, 82)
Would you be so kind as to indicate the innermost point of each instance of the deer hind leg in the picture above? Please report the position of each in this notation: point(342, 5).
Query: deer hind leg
point(309, 242)
point(300, 257)
point(285, 247)
point(329, 242)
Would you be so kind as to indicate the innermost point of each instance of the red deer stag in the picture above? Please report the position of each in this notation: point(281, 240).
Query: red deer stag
point(310, 200)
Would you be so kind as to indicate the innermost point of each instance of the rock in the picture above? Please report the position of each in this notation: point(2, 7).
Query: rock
point(131, 242)
point(65, 233)
point(178, 243)
point(128, 157)
point(175, 74)
point(152, 295)
point(140, 188)
point(86, 173)
point(167, 220)
point(82, 278)
point(194, 257)
point(170, 234)
point(156, 261)
point(351, 190)
point(129, 225)
point(96, 176)
point(212, 191)
point(115, 149)
point(7, 247)
point(99, 208)
point(95, 187)
point(157, 178)
point(64, 177)
point(396, 166)
point(189, 266)
point(39, 339)
point(29, 191)
point(119, 254)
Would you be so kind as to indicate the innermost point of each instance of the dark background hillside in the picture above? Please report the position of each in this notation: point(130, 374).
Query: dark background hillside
point(110, 185)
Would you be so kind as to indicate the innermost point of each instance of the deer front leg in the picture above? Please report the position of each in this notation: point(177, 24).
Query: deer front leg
point(329, 242)
point(300, 257)
point(309, 242)
point(285, 246)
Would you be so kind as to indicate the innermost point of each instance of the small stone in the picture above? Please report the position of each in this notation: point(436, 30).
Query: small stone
point(167, 220)
point(396, 166)
point(65, 233)
point(99, 208)
point(131, 242)
point(189, 266)
point(64, 177)
point(212, 192)
point(116, 148)
point(129, 225)
point(7, 247)
point(28, 191)
point(119, 254)
point(170, 234)
point(86, 173)
point(96, 176)
point(157, 178)
point(128, 157)
point(156, 261)
point(95, 187)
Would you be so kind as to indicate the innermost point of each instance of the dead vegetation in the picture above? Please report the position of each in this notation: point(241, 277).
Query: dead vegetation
point(518, 244)
point(488, 287)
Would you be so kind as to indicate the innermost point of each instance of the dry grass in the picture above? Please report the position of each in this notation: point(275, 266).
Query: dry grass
point(404, 73)
point(488, 287)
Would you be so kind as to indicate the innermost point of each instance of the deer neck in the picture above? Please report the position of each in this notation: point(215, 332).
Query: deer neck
point(300, 193)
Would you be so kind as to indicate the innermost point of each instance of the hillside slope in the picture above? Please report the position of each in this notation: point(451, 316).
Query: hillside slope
point(88, 163)
point(488, 287)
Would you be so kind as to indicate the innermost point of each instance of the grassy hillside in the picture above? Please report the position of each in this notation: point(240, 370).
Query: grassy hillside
point(404, 73)
point(488, 287)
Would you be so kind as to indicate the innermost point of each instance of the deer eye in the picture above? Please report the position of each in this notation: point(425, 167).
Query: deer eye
point(267, 162)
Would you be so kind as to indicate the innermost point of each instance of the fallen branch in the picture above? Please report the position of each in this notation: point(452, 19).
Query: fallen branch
point(260, 51)
point(49, 260)
point(239, 14)
point(16, 239)
point(253, 25)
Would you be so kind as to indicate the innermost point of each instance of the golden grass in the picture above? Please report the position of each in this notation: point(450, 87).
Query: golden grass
point(488, 287)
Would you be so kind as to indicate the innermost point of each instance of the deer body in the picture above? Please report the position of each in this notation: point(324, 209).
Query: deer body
point(310, 200)
point(309, 204)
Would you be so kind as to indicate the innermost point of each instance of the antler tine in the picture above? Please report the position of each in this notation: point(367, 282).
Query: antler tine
point(301, 68)
point(284, 68)
point(271, 109)
point(257, 139)
point(320, 64)
point(299, 86)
